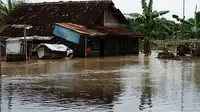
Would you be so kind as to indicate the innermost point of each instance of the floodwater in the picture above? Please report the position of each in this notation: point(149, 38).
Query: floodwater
point(112, 84)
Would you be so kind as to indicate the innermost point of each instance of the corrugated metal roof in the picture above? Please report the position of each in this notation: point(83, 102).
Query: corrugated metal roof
point(21, 26)
point(29, 38)
point(80, 29)
point(53, 47)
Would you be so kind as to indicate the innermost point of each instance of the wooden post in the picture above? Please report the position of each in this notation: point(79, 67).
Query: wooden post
point(32, 47)
point(0, 59)
point(125, 45)
point(25, 44)
point(85, 46)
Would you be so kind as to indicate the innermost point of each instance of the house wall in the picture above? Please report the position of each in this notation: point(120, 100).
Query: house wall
point(132, 45)
point(121, 48)
point(110, 46)
point(93, 47)
point(122, 45)
point(110, 19)
point(13, 47)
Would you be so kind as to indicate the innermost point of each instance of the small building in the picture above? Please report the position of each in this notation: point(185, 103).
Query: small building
point(16, 45)
point(53, 51)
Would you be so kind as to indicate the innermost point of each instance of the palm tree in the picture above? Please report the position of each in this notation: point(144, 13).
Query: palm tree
point(11, 5)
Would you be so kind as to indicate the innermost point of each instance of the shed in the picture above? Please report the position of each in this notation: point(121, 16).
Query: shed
point(16, 45)
point(53, 51)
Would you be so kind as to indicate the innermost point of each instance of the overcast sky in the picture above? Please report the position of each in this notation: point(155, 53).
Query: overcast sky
point(174, 6)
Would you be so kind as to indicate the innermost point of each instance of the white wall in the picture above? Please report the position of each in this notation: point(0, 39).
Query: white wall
point(13, 47)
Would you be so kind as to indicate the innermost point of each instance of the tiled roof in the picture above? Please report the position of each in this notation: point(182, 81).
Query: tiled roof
point(78, 12)
point(116, 31)
point(43, 16)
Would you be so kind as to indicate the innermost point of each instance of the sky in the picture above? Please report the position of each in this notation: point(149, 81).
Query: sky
point(132, 6)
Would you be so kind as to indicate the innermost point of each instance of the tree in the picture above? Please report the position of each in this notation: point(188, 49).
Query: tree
point(198, 15)
point(147, 20)
point(6, 8)
point(192, 25)
point(136, 24)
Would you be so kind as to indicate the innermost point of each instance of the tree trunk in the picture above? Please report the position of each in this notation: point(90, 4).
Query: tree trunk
point(147, 47)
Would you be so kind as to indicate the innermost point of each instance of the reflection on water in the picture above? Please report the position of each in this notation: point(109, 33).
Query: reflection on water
point(119, 84)
point(146, 90)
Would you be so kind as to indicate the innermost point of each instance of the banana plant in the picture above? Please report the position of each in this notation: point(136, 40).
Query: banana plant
point(148, 17)
point(6, 8)
point(193, 23)
point(196, 25)
point(147, 21)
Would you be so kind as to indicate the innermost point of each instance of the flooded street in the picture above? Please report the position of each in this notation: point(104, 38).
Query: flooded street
point(112, 84)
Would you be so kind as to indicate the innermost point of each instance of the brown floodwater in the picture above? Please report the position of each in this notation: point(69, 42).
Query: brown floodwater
point(111, 84)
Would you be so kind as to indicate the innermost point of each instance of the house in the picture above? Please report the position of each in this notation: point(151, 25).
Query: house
point(77, 38)
point(53, 51)
point(100, 20)
point(96, 41)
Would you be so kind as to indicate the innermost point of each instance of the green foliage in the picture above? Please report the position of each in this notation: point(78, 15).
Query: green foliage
point(191, 27)
point(144, 7)
point(166, 29)
point(145, 23)
point(198, 15)
point(10, 5)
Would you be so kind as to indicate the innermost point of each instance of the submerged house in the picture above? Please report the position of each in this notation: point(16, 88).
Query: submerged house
point(97, 41)
point(89, 28)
